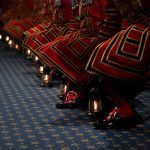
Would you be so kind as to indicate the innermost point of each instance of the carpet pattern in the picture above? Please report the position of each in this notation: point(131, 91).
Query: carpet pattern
point(30, 121)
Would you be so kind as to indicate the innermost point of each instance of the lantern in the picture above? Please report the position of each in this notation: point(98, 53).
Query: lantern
point(35, 59)
point(40, 68)
point(95, 105)
point(7, 38)
point(1, 36)
point(46, 77)
point(63, 91)
point(10, 43)
point(28, 54)
point(16, 46)
point(64, 87)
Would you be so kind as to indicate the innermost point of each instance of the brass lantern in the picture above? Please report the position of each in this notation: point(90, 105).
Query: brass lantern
point(17, 48)
point(40, 68)
point(95, 105)
point(63, 91)
point(10, 43)
point(7, 38)
point(35, 59)
point(28, 54)
point(1, 36)
point(46, 77)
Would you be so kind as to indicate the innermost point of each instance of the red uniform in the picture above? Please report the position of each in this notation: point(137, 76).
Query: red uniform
point(63, 16)
point(125, 56)
point(16, 27)
point(123, 62)
point(44, 24)
point(70, 53)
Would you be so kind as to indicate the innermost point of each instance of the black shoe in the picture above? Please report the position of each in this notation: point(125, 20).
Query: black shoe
point(100, 124)
point(63, 105)
point(61, 97)
point(94, 116)
point(118, 122)
point(122, 123)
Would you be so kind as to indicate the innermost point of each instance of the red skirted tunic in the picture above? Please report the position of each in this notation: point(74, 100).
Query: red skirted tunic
point(125, 57)
point(46, 23)
point(16, 27)
point(70, 53)
point(63, 17)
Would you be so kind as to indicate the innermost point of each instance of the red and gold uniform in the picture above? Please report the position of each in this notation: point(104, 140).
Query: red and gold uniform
point(71, 52)
point(46, 23)
point(125, 56)
point(41, 10)
point(62, 20)
point(123, 62)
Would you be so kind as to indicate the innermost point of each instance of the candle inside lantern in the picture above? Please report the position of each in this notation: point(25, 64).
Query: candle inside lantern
point(1, 37)
point(41, 69)
point(7, 38)
point(28, 52)
point(65, 89)
point(95, 105)
point(46, 78)
point(10, 42)
point(17, 46)
point(36, 59)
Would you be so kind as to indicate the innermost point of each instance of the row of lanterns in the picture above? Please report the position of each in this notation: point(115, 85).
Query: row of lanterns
point(9, 41)
point(44, 72)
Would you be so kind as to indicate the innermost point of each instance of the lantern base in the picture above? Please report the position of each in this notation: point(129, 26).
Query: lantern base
point(39, 75)
point(92, 114)
point(46, 84)
point(28, 57)
point(61, 97)
point(95, 115)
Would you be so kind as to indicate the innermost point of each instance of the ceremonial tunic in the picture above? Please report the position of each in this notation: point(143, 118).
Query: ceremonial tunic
point(45, 24)
point(125, 58)
point(63, 19)
point(70, 53)
point(41, 11)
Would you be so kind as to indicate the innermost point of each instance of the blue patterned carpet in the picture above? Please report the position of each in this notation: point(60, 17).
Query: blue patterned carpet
point(30, 121)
